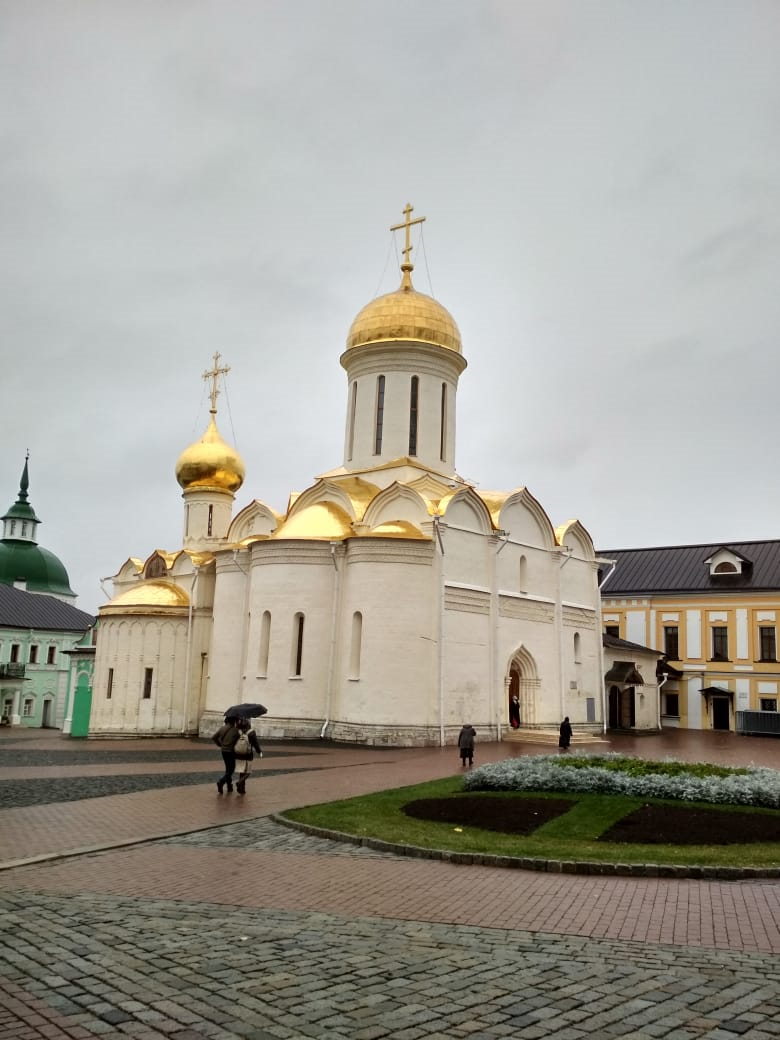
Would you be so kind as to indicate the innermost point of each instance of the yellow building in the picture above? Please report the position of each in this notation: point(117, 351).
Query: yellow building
point(712, 610)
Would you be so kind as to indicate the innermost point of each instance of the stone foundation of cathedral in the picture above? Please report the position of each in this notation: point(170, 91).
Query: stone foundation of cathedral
point(347, 732)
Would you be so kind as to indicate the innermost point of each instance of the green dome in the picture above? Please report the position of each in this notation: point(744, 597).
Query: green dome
point(39, 568)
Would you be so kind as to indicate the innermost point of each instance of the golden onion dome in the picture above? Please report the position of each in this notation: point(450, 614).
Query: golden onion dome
point(405, 315)
point(210, 463)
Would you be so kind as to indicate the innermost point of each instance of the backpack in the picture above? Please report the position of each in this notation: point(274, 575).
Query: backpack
point(242, 745)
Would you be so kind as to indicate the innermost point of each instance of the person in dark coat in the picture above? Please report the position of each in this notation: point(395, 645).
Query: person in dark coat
point(466, 744)
point(565, 735)
point(244, 750)
point(225, 738)
point(514, 711)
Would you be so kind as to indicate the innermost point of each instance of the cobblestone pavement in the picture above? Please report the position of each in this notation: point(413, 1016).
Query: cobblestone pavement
point(242, 928)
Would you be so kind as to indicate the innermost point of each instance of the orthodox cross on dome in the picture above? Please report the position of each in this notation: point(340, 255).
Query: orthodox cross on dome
point(407, 266)
point(214, 375)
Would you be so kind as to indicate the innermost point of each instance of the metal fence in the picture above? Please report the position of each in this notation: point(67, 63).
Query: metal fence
point(758, 722)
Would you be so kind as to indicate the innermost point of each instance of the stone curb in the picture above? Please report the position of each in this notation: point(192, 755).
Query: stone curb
point(549, 866)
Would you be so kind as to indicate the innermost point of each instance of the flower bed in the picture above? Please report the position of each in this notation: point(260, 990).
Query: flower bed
point(618, 774)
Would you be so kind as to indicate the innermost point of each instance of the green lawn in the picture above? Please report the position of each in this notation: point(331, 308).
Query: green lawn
point(568, 837)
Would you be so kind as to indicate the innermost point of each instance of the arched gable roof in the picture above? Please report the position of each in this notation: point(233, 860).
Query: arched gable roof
point(153, 596)
point(131, 568)
point(574, 535)
point(321, 493)
point(465, 508)
point(257, 520)
point(397, 503)
point(524, 519)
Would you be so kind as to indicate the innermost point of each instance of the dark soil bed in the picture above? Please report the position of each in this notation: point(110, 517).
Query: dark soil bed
point(682, 825)
point(506, 815)
point(648, 825)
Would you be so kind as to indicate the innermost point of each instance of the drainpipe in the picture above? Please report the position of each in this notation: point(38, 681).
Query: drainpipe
point(332, 650)
point(440, 653)
point(503, 537)
point(663, 682)
point(602, 583)
point(188, 657)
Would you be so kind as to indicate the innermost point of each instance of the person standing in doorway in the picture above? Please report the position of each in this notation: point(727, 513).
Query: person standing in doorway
point(466, 744)
point(514, 711)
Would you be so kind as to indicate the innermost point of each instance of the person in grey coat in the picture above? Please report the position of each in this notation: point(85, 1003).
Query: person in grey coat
point(466, 744)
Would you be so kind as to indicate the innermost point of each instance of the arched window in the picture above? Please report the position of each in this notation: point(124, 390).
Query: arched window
point(265, 642)
point(356, 646)
point(380, 414)
point(211, 520)
point(413, 397)
point(297, 646)
point(522, 573)
point(577, 648)
point(443, 423)
point(351, 436)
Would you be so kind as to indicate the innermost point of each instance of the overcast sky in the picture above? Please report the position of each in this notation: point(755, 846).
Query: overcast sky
point(601, 182)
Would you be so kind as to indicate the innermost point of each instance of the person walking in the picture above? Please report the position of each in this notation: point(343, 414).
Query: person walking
point(225, 738)
point(565, 735)
point(244, 750)
point(466, 744)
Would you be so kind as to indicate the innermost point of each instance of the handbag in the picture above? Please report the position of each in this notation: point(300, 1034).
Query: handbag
point(242, 746)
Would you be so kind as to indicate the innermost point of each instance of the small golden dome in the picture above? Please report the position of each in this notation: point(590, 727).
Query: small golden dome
point(210, 463)
point(405, 314)
point(153, 593)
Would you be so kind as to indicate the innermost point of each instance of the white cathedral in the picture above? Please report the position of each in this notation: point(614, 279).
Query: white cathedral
point(391, 603)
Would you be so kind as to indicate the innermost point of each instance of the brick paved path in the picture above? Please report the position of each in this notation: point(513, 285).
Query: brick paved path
point(242, 928)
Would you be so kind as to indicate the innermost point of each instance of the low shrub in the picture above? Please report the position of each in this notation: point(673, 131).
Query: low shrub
point(618, 774)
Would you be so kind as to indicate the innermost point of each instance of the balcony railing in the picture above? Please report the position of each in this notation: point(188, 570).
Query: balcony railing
point(11, 670)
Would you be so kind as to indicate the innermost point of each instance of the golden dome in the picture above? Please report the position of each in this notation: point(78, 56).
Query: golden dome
point(154, 594)
point(210, 463)
point(405, 314)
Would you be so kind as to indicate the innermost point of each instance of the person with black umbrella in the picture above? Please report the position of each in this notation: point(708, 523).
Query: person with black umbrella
point(225, 738)
point(244, 749)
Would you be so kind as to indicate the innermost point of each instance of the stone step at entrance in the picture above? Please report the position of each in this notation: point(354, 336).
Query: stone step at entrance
point(550, 736)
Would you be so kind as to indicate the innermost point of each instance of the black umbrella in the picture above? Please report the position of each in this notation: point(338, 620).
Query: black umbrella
point(246, 711)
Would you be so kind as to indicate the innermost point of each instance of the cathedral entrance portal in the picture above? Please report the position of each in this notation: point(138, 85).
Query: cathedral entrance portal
point(521, 683)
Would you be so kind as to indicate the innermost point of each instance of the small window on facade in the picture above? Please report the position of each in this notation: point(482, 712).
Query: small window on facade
point(380, 414)
point(110, 684)
point(720, 643)
point(612, 630)
point(767, 643)
point(672, 704)
point(356, 645)
point(523, 573)
point(725, 568)
point(265, 643)
point(51, 655)
point(13, 527)
point(211, 520)
point(297, 668)
point(672, 642)
point(768, 704)
point(148, 672)
point(34, 654)
point(24, 528)
point(577, 648)
point(443, 423)
point(27, 708)
point(413, 397)
point(14, 653)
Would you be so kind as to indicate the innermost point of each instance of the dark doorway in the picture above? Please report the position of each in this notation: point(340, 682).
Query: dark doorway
point(721, 714)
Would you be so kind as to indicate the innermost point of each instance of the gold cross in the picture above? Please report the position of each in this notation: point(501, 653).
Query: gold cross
point(407, 266)
point(214, 375)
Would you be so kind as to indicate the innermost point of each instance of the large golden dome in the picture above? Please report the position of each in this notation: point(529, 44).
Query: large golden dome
point(405, 314)
point(210, 463)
